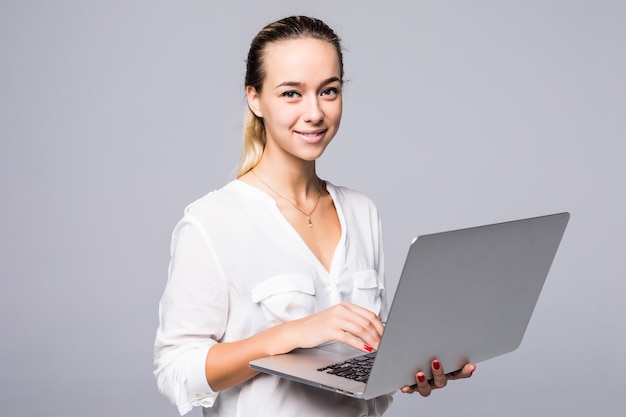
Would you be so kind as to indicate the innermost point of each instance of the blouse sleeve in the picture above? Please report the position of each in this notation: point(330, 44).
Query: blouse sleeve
point(192, 317)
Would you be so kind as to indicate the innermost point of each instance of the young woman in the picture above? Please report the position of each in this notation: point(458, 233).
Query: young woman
point(277, 259)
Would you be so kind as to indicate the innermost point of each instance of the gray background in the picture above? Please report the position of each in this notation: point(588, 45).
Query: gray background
point(114, 115)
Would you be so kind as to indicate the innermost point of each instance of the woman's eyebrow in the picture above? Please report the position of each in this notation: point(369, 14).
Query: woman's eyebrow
point(289, 84)
point(300, 84)
point(330, 80)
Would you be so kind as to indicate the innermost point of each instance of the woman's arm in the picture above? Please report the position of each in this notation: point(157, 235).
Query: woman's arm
point(227, 363)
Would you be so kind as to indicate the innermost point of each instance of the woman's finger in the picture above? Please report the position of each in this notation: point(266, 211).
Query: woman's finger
point(370, 317)
point(465, 372)
point(359, 323)
point(423, 385)
point(440, 379)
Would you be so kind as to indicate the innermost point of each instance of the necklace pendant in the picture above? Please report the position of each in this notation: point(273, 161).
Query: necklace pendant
point(319, 194)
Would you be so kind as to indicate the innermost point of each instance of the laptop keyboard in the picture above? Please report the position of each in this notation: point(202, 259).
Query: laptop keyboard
point(357, 369)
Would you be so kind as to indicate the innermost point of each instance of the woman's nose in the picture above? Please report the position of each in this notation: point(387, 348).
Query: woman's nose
point(313, 111)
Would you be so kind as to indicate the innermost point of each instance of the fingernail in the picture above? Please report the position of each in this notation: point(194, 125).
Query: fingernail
point(368, 348)
point(421, 378)
point(436, 365)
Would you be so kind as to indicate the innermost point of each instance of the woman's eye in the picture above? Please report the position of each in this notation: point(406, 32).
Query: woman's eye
point(332, 91)
point(290, 94)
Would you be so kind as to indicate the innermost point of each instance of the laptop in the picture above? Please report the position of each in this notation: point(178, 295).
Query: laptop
point(463, 296)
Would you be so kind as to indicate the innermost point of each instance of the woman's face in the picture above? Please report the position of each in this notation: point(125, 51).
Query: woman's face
point(300, 101)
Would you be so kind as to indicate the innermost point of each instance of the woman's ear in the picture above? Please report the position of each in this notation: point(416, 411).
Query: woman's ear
point(253, 101)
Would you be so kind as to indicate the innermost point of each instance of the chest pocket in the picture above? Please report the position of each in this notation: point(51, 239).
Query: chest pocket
point(285, 297)
point(368, 290)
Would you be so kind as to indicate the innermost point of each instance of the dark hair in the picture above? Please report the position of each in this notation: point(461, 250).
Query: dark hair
point(289, 28)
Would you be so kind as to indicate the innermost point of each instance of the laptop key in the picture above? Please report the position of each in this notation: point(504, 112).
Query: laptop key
point(357, 369)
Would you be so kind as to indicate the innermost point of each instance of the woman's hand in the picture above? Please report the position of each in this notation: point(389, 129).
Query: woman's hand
point(227, 364)
point(346, 323)
point(439, 380)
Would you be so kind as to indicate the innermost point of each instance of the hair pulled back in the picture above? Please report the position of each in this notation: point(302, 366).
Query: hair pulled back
point(289, 28)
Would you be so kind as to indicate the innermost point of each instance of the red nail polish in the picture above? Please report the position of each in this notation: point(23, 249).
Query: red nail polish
point(436, 365)
point(421, 378)
point(368, 348)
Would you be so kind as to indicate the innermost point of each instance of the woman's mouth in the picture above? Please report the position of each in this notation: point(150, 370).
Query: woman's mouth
point(311, 136)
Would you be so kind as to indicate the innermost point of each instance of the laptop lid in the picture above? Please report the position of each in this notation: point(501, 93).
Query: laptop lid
point(463, 296)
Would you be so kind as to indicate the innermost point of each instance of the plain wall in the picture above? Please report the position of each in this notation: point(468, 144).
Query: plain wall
point(116, 114)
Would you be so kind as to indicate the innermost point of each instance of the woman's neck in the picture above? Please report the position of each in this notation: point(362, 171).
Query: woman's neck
point(296, 181)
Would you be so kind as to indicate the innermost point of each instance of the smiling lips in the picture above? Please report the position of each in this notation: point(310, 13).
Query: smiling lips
point(312, 136)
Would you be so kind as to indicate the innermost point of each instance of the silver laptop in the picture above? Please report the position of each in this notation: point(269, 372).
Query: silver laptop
point(463, 296)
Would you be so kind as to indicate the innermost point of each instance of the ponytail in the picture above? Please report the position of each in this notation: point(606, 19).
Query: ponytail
point(253, 142)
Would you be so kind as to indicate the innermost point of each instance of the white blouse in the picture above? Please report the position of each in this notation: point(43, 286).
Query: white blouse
point(238, 267)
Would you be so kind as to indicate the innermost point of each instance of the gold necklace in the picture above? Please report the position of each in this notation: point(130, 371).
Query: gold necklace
point(308, 215)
